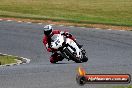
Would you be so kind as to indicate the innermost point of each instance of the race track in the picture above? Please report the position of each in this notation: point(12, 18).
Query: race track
point(108, 51)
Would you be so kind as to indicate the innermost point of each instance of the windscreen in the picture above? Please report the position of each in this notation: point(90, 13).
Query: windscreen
point(54, 38)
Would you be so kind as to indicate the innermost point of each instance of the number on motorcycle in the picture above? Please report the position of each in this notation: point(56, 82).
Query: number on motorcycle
point(57, 42)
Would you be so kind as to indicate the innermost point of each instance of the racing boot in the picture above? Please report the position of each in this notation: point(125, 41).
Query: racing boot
point(52, 60)
point(54, 57)
point(60, 58)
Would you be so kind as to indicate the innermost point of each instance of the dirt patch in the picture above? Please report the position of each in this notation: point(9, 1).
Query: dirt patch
point(102, 26)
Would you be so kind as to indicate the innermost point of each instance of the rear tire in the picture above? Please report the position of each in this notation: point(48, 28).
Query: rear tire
point(72, 56)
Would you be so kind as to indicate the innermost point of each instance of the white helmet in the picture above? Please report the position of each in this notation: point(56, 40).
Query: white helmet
point(48, 30)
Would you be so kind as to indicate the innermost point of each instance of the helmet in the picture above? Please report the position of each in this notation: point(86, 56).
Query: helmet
point(48, 30)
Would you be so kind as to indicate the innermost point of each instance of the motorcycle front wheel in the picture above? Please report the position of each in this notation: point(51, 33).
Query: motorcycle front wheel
point(72, 57)
point(85, 58)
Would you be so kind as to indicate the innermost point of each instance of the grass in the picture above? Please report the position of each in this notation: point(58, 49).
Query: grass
point(113, 12)
point(122, 87)
point(7, 60)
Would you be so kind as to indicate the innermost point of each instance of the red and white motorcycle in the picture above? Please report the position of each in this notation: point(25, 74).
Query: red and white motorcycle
point(68, 49)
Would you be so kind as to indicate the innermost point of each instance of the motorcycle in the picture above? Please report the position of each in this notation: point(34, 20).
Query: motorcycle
point(68, 49)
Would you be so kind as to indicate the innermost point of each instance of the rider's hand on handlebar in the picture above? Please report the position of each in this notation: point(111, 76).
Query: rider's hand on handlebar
point(49, 50)
point(68, 35)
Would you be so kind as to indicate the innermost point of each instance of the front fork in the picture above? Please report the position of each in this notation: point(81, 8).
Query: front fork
point(83, 51)
point(63, 55)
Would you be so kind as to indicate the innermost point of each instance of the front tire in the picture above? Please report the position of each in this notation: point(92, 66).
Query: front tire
point(77, 60)
point(85, 59)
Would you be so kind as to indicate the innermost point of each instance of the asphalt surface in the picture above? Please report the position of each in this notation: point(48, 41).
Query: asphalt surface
point(108, 52)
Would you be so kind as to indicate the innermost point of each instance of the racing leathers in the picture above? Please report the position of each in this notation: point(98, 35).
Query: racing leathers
point(55, 57)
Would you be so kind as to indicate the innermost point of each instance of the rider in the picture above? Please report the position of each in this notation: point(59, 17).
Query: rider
point(49, 32)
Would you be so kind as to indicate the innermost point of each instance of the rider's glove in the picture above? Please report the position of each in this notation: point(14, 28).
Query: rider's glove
point(62, 32)
point(67, 34)
point(49, 50)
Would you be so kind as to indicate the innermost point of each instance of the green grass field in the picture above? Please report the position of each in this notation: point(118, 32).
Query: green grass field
point(7, 60)
point(130, 86)
point(115, 12)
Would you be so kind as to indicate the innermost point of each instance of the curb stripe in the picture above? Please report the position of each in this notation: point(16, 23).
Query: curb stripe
point(109, 29)
point(121, 30)
point(97, 28)
point(61, 25)
point(71, 26)
point(51, 24)
point(8, 20)
point(40, 23)
point(82, 27)
point(20, 60)
point(29, 22)
point(19, 21)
